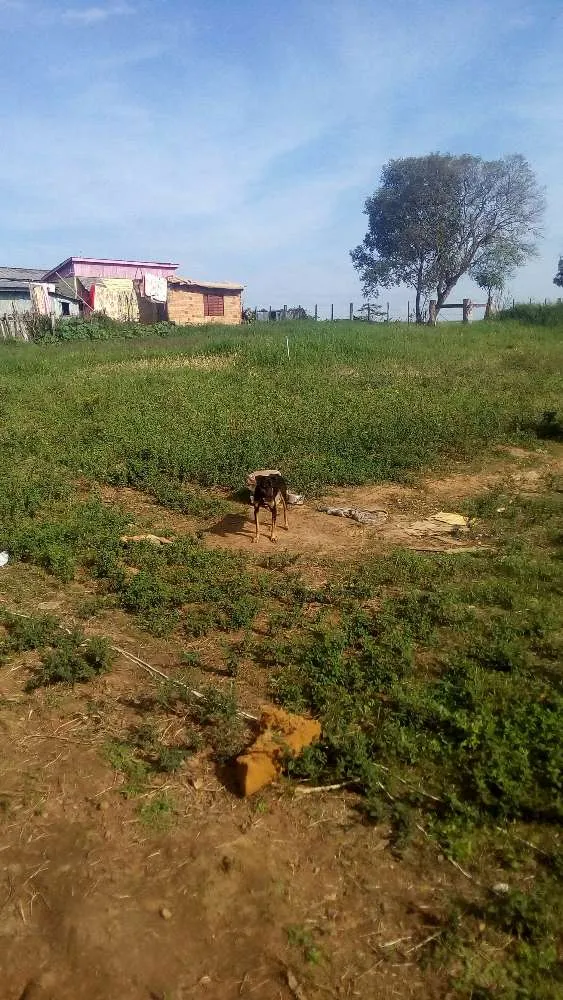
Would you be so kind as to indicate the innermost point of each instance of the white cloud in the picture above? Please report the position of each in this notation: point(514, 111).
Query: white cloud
point(95, 15)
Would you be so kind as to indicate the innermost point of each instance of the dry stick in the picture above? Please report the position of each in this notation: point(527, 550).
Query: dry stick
point(311, 790)
point(528, 843)
point(389, 944)
point(426, 941)
point(307, 790)
point(295, 986)
point(413, 788)
point(451, 860)
point(154, 671)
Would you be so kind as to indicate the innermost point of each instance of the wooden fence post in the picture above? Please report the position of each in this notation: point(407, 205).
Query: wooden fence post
point(387, 312)
point(408, 312)
point(285, 312)
point(332, 311)
point(351, 310)
point(432, 312)
point(316, 313)
point(369, 313)
point(466, 310)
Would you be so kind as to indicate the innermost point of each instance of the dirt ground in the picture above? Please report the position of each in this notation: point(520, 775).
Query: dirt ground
point(405, 511)
point(287, 895)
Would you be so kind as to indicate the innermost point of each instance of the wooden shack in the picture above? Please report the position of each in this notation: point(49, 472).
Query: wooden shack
point(198, 302)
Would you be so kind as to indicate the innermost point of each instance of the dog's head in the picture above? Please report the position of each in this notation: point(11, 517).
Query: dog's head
point(267, 488)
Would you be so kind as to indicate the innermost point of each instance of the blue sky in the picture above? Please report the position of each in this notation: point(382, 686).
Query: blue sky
point(241, 138)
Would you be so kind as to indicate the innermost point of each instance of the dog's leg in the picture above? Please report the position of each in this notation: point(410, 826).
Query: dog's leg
point(284, 505)
point(274, 517)
point(257, 532)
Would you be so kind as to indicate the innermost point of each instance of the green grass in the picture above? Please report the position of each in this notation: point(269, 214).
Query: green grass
point(437, 679)
point(352, 405)
point(534, 314)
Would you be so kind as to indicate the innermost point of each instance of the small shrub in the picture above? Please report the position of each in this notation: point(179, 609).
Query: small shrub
point(25, 633)
point(217, 712)
point(73, 660)
point(300, 937)
point(157, 755)
point(122, 757)
point(158, 813)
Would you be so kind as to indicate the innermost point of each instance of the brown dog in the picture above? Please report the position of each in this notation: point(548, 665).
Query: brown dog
point(268, 492)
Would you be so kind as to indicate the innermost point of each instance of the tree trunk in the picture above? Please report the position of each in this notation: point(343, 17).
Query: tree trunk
point(417, 306)
point(418, 310)
point(442, 296)
point(489, 306)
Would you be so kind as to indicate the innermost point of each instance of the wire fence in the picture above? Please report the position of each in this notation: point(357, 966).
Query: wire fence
point(368, 312)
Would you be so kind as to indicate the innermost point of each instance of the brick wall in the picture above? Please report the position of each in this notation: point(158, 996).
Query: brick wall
point(186, 307)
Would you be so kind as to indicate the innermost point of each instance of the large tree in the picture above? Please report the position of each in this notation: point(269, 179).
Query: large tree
point(435, 217)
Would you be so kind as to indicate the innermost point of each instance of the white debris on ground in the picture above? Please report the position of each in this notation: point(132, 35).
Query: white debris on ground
point(4, 558)
point(361, 516)
point(440, 524)
point(153, 539)
point(455, 520)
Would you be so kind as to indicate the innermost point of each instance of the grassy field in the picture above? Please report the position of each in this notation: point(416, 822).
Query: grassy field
point(351, 405)
point(437, 679)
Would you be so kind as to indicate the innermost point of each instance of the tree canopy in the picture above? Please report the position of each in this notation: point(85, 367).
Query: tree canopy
point(493, 269)
point(558, 279)
point(435, 218)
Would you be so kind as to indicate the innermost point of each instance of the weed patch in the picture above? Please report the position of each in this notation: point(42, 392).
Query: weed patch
point(158, 813)
point(73, 661)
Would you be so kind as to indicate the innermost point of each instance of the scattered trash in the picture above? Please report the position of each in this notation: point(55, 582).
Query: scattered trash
point(281, 734)
point(502, 888)
point(440, 524)
point(361, 516)
point(456, 520)
point(295, 499)
point(153, 539)
point(4, 558)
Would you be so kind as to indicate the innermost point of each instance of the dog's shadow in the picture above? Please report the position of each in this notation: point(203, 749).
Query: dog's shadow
point(232, 524)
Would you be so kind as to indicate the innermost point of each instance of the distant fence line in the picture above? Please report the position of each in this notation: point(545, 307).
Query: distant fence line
point(370, 312)
point(21, 326)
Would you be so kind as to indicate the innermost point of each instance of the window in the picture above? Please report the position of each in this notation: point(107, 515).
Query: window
point(213, 305)
point(65, 308)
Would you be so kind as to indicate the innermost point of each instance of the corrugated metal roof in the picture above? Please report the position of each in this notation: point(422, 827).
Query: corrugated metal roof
point(14, 286)
point(231, 286)
point(111, 260)
point(22, 273)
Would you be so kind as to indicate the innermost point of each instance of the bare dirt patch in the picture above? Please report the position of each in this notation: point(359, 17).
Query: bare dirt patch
point(319, 534)
point(99, 900)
